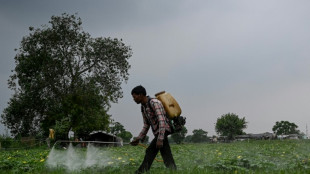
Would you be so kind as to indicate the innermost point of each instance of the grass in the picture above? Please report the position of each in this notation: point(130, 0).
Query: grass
point(288, 156)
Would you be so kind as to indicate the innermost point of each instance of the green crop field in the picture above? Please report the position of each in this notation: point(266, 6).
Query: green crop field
point(287, 156)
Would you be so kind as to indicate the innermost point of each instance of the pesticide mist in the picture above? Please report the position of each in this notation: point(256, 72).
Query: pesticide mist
point(74, 159)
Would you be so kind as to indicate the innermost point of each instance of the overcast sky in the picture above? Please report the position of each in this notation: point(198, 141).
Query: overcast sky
point(247, 57)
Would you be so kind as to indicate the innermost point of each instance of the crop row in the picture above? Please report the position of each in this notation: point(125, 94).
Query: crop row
point(289, 156)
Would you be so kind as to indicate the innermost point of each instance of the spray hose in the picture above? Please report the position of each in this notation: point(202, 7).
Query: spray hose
point(143, 145)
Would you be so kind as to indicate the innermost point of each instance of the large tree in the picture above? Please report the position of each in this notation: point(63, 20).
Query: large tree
point(285, 128)
point(230, 125)
point(65, 78)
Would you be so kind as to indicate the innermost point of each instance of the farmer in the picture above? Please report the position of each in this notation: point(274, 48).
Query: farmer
point(153, 115)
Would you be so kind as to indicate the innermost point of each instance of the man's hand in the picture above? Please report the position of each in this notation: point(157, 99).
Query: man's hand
point(135, 142)
point(159, 144)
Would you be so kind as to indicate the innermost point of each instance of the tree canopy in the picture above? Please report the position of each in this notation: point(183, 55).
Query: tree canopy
point(119, 130)
point(65, 78)
point(178, 137)
point(230, 125)
point(285, 128)
point(199, 136)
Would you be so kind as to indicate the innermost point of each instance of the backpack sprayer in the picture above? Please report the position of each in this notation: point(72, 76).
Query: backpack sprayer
point(173, 111)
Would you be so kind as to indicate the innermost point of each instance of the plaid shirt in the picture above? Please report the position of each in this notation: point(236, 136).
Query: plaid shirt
point(156, 118)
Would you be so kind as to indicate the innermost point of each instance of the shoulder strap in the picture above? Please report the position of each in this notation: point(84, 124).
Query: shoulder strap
point(143, 109)
point(148, 103)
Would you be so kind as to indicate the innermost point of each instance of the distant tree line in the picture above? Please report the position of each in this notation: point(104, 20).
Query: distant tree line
point(229, 126)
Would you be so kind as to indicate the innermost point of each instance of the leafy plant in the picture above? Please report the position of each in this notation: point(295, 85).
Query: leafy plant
point(257, 157)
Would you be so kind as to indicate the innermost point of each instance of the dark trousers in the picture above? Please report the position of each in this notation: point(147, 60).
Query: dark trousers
point(151, 153)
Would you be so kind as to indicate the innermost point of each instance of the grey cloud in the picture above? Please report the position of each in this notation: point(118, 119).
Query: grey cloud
point(247, 57)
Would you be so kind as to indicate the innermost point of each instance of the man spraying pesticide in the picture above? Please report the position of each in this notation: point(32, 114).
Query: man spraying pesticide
point(154, 116)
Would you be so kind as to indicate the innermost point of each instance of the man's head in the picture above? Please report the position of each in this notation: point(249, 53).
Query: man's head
point(139, 94)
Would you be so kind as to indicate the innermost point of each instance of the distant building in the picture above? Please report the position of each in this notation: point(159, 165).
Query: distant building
point(290, 136)
point(104, 139)
point(293, 136)
point(261, 136)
